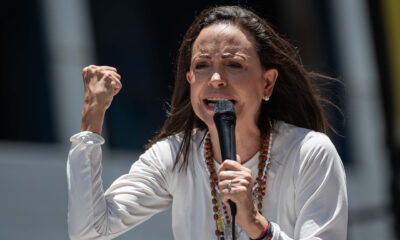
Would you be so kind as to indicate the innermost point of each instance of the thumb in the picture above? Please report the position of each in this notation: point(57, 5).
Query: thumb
point(238, 159)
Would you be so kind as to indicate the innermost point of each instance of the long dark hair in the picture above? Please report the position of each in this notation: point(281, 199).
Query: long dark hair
point(294, 100)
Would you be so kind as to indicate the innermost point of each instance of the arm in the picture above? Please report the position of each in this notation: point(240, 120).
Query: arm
point(93, 214)
point(320, 196)
point(320, 193)
point(130, 200)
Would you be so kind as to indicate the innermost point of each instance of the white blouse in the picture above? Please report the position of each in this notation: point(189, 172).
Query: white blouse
point(306, 194)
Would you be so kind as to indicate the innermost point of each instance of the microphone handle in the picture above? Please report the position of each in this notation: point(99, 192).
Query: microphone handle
point(227, 139)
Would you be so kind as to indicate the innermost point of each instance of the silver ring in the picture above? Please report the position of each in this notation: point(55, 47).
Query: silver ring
point(229, 185)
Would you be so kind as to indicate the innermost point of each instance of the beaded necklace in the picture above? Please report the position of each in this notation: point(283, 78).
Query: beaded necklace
point(258, 188)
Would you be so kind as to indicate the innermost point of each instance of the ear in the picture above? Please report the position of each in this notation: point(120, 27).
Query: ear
point(270, 77)
point(188, 78)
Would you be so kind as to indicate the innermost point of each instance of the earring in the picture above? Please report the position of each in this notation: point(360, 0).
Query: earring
point(266, 98)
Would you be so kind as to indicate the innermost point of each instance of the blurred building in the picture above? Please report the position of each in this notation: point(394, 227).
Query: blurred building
point(44, 45)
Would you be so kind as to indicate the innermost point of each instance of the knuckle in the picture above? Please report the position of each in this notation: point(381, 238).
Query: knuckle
point(107, 74)
point(248, 178)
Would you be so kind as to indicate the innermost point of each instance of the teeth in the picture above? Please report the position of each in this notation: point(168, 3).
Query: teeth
point(216, 99)
point(213, 100)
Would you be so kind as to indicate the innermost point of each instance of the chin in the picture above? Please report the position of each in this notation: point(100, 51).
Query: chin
point(206, 119)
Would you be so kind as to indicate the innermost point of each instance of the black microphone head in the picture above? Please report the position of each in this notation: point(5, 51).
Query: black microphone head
point(224, 107)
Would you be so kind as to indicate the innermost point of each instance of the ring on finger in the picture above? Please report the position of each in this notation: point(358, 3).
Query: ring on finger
point(229, 185)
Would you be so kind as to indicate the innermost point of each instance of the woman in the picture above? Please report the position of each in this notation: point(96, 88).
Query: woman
point(288, 182)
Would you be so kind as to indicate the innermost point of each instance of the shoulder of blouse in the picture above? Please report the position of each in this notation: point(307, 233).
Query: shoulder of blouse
point(301, 143)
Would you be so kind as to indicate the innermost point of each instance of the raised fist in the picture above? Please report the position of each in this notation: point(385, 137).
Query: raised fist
point(102, 83)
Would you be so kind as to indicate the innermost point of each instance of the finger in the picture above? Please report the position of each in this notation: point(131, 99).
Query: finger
point(113, 69)
point(231, 183)
point(230, 165)
point(87, 70)
point(117, 75)
point(116, 85)
point(109, 74)
point(235, 194)
point(111, 81)
point(116, 91)
point(242, 179)
point(229, 174)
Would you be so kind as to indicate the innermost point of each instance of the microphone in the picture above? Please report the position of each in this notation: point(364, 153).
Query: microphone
point(225, 121)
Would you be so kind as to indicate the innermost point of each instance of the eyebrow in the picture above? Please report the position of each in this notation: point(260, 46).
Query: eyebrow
point(224, 56)
point(202, 56)
point(232, 55)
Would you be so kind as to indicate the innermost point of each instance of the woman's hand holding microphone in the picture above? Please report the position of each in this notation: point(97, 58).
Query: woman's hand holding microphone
point(101, 83)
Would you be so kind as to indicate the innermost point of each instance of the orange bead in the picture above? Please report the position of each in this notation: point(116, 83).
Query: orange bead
point(215, 216)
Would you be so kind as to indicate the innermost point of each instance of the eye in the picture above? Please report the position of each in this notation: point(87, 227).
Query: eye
point(235, 65)
point(200, 65)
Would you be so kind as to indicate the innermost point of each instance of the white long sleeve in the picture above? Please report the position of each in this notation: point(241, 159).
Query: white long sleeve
point(305, 197)
point(130, 200)
point(319, 210)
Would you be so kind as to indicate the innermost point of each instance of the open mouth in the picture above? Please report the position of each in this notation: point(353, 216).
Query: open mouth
point(212, 101)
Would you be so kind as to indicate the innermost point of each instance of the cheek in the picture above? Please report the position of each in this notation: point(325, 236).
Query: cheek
point(195, 97)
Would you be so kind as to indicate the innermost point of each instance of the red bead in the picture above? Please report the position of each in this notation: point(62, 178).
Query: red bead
point(228, 221)
point(263, 193)
point(227, 217)
point(213, 193)
point(217, 232)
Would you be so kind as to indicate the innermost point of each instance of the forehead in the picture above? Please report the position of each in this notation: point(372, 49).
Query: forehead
point(224, 37)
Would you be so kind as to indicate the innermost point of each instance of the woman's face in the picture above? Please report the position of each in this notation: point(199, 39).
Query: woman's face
point(225, 65)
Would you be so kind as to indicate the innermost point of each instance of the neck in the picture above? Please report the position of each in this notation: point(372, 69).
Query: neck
point(247, 142)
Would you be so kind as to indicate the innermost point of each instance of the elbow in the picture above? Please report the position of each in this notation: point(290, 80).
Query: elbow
point(79, 232)
point(75, 234)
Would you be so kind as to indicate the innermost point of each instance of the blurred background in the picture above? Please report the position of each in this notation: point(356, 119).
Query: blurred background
point(44, 44)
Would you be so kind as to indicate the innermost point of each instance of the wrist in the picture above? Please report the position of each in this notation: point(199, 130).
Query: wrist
point(92, 119)
point(255, 226)
point(266, 234)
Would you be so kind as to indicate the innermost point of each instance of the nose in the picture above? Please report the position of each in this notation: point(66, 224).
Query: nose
point(217, 81)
